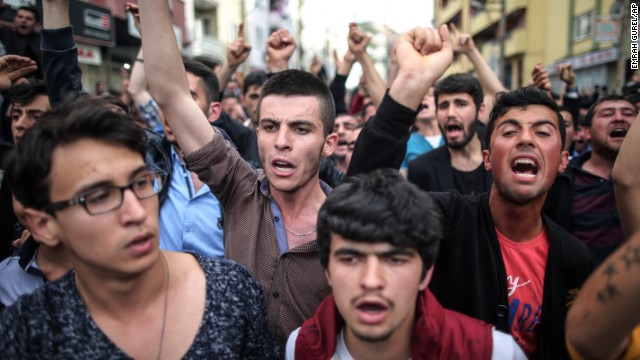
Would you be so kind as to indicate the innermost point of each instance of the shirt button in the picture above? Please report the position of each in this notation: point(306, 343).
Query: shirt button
point(276, 218)
point(501, 311)
point(276, 295)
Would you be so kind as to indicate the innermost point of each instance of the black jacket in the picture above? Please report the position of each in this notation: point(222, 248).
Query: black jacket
point(470, 276)
point(433, 172)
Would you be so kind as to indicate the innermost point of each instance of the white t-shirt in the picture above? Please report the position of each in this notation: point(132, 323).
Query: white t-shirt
point(504, 347)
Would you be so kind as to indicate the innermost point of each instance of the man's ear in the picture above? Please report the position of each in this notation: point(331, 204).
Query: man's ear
point(486, 159)
point(330, 143)
point(215, 109)
point(427, 278)
point(42, 226)
point(481, 111)
point(326, 273)
point(564, 161)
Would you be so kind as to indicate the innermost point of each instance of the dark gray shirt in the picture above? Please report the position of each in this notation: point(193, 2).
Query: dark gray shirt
point(53, 322)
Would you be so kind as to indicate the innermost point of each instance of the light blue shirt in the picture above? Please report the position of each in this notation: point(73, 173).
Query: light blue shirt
point(190, 220)
point(416, 146)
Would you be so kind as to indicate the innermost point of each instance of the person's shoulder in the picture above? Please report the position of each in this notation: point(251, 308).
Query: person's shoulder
point(227, 274)
point(429, 157)
point(575, 251)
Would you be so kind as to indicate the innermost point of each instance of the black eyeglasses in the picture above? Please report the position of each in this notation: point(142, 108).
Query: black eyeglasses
point(109, 198)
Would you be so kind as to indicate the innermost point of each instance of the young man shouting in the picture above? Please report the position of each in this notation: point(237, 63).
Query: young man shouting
point(378, 239)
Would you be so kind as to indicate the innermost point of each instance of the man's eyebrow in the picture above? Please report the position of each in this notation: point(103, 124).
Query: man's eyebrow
point(302, 122)
point(398, 251)
point(347, 251)
point(506, 122)
point(392, 252)
point(536, 123)
point(100, 184)
point(543, 122)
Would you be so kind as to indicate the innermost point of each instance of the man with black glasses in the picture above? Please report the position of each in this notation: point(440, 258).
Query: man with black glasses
point(80, 174)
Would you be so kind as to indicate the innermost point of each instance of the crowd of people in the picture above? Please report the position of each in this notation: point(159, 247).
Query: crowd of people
point(208, 213)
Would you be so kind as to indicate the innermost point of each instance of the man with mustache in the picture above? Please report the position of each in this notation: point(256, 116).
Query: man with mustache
point(379, 260)
point(458, 165)
point(595, 218)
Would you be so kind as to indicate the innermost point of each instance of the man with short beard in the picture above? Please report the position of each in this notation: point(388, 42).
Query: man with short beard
point(595, 218)
point(458, 165)
point(503, 260)
point(23, 39)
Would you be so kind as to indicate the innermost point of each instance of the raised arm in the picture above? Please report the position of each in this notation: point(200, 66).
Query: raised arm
point(237, 53)
point(358, 42)
point(138, 79)
point(423, 54)
point(490, 83)
point(168, 80)
point(338, 84)
point(61, 71)
point(602, 318)
point(626, 181)
point(280, 48)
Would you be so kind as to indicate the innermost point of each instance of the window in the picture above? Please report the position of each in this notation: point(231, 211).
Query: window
point(583, 25)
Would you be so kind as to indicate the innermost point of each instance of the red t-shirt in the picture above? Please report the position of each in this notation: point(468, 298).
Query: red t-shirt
point(525, 263)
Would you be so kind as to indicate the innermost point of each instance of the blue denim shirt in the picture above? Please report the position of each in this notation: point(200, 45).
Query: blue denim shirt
point(190, 220)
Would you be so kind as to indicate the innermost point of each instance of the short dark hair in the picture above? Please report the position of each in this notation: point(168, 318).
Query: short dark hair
point(31, 9)
point(381, 207)
point(29, 166)
point(25, 92)
point(301, 83)
point(522, 98)
point(207, 77)
point(255, 78)
point(109, 99)
point(588, 118)
point(460, 83)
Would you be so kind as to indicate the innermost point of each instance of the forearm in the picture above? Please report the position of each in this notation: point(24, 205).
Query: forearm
point(226, 74)
point(138, 81)
point(604, 314)
point(626, 181)
point(338, 90)
point(62, 73)
point(276, 66)
point(167, 78)
point(375, 85)
point(55, 14)
point(388, 130)
point(489, 80)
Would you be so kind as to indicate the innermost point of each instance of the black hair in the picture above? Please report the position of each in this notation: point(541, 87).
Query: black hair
point(109, 99)
point(208, 78)
point(31, 9)
point(381, 207)
point(588, 118)
point(29, 165)
point(567, 109)
point(460, 83)
point(522, 98)
point(25, 92)
point(301, 83)
point(255, 78)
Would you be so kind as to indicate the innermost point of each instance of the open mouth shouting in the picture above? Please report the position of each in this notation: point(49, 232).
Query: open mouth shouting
point(372, 312)
point(453, 129)
point(282, 167)
point(524, 168)
point(618, 133)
